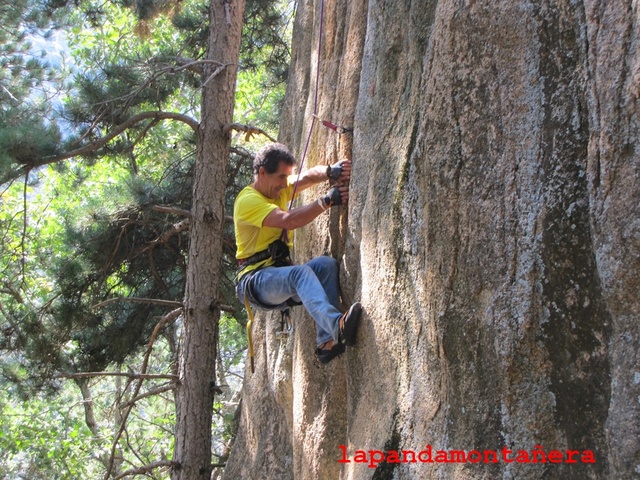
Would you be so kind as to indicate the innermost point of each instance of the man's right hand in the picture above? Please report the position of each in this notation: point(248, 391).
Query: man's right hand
point(337, 195)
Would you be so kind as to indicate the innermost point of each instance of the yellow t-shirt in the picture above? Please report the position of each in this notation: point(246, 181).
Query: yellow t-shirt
point(249, 211)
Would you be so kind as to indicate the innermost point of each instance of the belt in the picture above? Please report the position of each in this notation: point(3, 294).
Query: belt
point(255, 258)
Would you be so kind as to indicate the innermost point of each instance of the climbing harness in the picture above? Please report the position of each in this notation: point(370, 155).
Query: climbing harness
point(278, 251)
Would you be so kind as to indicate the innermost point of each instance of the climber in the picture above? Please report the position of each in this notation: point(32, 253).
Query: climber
point(266, 275)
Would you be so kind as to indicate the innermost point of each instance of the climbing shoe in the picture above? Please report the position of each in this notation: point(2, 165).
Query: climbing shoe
point(349, 325)
point(325, 355)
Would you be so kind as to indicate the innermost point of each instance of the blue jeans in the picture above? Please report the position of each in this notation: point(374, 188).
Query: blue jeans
point(314, 283)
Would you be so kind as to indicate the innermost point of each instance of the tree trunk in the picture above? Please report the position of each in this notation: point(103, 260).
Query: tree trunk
point(194, 395)
point(492, 237)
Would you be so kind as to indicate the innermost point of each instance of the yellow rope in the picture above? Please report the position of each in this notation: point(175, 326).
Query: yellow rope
point(249, 326)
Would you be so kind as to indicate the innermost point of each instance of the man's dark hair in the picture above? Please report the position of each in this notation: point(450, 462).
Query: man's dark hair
point(270, 156)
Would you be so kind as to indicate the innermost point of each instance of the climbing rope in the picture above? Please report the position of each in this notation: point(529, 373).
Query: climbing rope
point(314, 116)
point(315, 105)
point(249, 327)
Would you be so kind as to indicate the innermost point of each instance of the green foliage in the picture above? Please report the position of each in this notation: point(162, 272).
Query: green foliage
point(49, 438)
point(24, 138)
point(27, 81)
point(79, 235)
point(21, 69)
point(97, 250)
point(40, 439)
point(266, 37)
point(264, 61)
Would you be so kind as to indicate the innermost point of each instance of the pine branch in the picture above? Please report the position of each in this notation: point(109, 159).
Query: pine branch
point(8, 289)
point(174, 230)
point(216, 72)
point(183, 64)
point(172, 210)
point(145, 469)
point(9, 93)
point(150, 393)
point(154, 301)
point(248, 129)
point(194, 66)
point(241, 152)
point(99, 143)
point(156, 115)
point(134, 376)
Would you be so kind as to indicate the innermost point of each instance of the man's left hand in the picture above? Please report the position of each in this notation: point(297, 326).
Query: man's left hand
point(338, 195)
point(340, 171)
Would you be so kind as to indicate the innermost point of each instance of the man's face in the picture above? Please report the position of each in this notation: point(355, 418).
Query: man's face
point(273, 183)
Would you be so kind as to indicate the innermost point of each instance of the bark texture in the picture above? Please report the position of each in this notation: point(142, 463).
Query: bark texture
point(195, 390)
point(493, 238)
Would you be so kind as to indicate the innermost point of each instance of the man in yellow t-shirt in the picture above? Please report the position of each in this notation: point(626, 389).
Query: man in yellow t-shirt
point(266, 276)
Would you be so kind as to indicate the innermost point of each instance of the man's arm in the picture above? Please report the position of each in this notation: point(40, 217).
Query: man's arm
point(301, 216)
point(318, 174)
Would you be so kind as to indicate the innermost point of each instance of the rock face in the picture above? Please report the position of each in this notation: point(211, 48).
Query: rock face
point(492, 236)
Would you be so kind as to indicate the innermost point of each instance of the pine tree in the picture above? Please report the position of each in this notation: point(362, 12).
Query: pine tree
point(127, 102)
